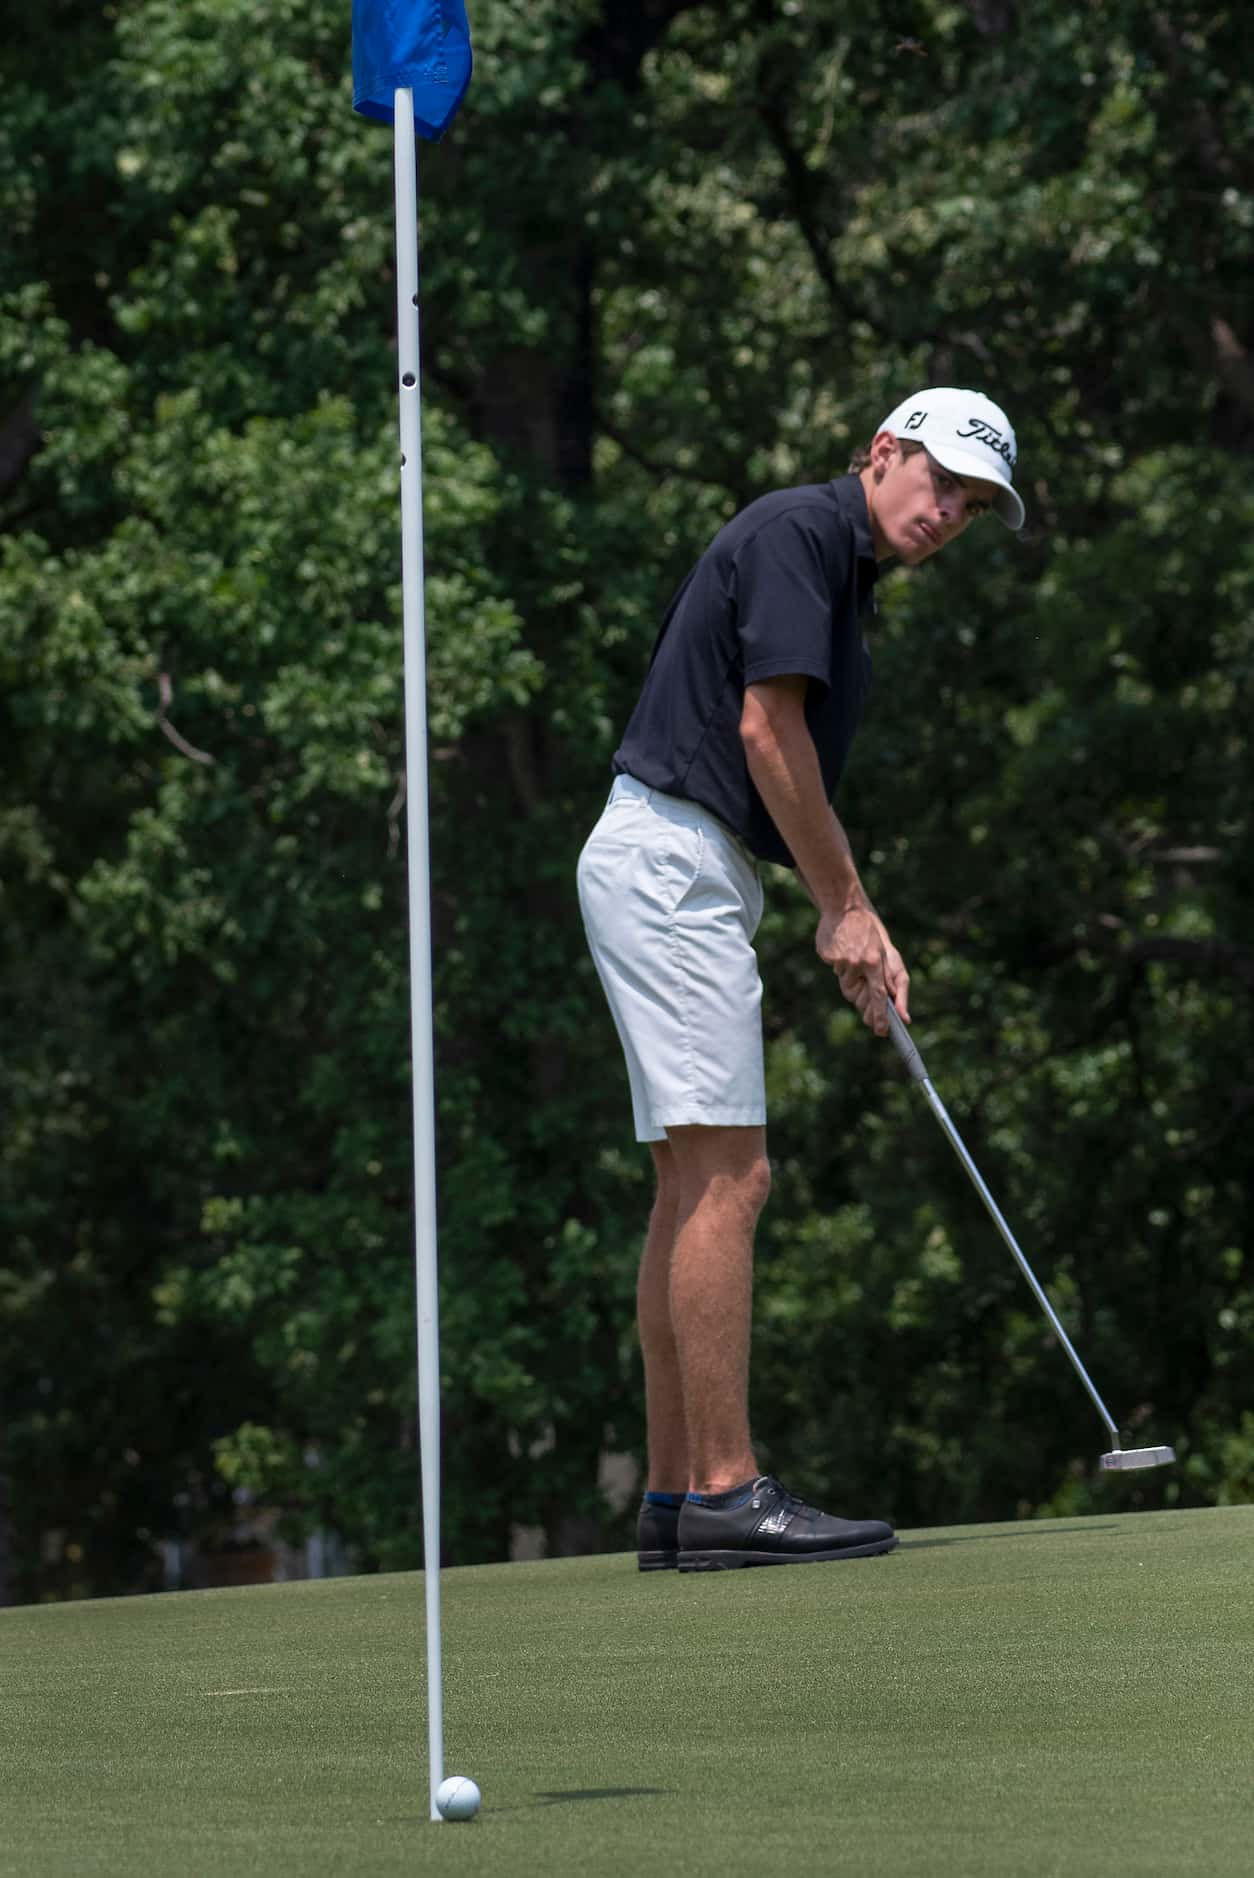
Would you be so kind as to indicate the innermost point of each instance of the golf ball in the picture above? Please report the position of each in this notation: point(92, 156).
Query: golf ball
point(457, 1797)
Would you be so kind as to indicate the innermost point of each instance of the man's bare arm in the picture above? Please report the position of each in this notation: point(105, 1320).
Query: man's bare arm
point(784, 765)
point(810, 893)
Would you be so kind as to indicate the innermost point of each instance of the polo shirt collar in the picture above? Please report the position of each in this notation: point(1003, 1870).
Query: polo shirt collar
point(851, 501)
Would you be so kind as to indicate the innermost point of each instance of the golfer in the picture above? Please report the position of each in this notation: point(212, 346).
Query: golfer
point(731, 757)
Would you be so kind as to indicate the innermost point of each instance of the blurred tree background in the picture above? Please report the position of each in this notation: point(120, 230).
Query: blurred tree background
point(674, 254)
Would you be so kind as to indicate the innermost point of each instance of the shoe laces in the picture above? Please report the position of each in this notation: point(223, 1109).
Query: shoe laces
point(788, 1502)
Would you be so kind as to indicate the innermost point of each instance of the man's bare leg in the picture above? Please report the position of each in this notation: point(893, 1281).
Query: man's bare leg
point(722, 1179)
point(663, 1389)
point(712, 1184)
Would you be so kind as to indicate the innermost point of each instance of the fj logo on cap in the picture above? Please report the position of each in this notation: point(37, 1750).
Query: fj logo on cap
point(986, 433)
point(915, 421)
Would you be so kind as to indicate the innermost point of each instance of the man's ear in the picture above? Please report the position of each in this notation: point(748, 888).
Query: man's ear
point(884, 450)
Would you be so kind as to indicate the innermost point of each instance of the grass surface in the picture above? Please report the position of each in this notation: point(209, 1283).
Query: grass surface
point(1070, 1696)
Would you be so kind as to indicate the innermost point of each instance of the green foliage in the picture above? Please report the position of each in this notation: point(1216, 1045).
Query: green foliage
point(672, 256)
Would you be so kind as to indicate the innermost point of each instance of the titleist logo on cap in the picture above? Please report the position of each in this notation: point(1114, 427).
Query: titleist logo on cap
point(977, 427)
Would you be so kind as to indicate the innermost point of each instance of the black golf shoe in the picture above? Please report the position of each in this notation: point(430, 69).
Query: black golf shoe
point(767, 1525)
point(657, 1542)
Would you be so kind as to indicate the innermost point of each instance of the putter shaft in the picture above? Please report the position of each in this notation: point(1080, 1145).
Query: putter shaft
point(914, 1063)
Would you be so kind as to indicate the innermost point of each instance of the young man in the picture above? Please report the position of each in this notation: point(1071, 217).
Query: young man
point(735, 747)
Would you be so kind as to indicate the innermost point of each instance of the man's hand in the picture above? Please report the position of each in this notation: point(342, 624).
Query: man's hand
point(867, 965)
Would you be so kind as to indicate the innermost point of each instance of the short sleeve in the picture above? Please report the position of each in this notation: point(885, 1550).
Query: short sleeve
point(784, 599)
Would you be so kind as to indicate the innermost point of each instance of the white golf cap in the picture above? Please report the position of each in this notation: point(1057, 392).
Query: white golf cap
point(967, 434)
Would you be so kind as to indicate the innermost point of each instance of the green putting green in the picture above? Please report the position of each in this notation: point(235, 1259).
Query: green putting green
point(1068, 1696)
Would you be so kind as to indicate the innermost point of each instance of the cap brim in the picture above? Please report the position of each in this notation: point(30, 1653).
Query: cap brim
point(1007, 502)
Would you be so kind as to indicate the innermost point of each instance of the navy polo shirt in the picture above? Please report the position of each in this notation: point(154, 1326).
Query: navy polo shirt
point(781, 589)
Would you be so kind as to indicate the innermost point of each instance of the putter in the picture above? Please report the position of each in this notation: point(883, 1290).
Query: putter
point(1120, 1458)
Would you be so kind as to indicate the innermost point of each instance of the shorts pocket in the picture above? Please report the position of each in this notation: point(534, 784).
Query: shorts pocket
point(679, 856)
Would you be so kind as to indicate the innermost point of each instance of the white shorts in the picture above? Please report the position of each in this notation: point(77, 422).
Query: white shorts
point(671, 899)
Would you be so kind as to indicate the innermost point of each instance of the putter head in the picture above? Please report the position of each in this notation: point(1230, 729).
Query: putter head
point(1127, 1460)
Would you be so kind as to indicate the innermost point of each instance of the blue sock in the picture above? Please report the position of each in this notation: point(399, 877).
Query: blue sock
point(733, 1496)
point(664, 1499)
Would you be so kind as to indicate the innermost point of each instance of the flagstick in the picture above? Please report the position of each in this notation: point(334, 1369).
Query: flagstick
point(419, 908)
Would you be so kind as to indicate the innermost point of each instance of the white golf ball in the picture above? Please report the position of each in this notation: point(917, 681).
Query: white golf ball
point(457, 1797)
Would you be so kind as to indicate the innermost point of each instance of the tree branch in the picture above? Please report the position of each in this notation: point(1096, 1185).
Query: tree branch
point(165, 692)
point(661, 471)
point(1232, 362)
point(19, 439)
point(771, 90)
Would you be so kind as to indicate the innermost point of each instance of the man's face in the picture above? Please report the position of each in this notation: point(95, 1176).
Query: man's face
point(916, 507)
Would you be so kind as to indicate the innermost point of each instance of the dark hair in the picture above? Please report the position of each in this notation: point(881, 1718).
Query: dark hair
point(861, 459)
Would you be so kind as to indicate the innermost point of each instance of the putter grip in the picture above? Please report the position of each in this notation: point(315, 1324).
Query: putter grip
point(905, 1048)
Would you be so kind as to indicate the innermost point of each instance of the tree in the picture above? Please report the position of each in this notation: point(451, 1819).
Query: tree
point(673, 254)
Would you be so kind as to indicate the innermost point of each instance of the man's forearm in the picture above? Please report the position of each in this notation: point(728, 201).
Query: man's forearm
point(784, 767)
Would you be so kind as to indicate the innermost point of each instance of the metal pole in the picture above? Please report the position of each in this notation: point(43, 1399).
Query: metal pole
point(414, 613)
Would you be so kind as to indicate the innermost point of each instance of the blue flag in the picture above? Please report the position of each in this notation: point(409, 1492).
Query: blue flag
point(418, 45)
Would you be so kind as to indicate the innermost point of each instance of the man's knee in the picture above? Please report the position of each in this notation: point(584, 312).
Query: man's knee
point(758, 1184)
point(728, 1163)
point(753, 1185)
